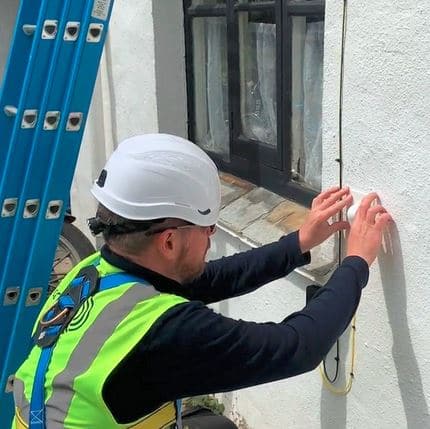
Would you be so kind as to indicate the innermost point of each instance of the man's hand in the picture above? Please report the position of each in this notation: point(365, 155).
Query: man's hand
point(325, 206)
point(365, 236)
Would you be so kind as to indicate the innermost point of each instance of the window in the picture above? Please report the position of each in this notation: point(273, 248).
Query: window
point(254, 78)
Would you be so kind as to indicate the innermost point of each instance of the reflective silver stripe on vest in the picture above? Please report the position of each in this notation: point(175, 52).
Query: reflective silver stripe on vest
point(20, 400)
point(84, 353)
point(87, 349)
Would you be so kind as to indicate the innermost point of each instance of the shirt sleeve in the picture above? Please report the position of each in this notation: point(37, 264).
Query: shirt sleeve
point(191, 350)
point(247, 271)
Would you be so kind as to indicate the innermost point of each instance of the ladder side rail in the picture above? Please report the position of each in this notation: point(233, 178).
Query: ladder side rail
point(32, 70)
point(15, 71)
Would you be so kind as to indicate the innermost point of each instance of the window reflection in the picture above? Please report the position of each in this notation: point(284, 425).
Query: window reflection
point(306, 94)
point(257, 34)
point(211, 85)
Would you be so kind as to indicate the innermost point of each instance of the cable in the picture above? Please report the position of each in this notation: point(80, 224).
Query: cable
point(341, 87)
point(337, 359)
point(328, 383)
point(342, 80)
point(347, 388)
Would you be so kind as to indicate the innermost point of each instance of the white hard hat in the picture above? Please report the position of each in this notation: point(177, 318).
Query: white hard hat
point(156, 176)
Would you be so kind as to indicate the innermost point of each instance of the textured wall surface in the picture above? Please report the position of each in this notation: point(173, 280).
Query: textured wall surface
point(385, 149)
point(131, 53)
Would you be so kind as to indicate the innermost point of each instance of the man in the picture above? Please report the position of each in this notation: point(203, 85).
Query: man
point(118, 348)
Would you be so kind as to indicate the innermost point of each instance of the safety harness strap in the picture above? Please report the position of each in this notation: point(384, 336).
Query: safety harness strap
point(37, 404)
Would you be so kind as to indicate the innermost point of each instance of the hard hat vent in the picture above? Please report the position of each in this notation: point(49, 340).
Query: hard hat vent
point(102, 178)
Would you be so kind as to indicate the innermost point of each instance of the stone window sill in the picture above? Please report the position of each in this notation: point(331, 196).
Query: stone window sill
point(258, 216)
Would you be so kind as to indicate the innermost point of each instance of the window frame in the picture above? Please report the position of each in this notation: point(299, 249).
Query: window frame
point(249, 159)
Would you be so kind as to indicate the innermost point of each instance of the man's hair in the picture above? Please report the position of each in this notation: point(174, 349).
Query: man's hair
point(126, 235)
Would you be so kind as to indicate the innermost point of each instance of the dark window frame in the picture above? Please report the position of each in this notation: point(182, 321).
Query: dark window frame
point(249, 159)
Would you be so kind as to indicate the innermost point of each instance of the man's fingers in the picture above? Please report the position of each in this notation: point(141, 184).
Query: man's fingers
point(339, 226)
point(383, 220)
point(333, 198)
point(373, 212)
point(366, 202)
point(324, 195)
point(337, 207)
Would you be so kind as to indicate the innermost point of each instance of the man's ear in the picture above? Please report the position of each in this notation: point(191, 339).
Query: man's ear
point(166, 244)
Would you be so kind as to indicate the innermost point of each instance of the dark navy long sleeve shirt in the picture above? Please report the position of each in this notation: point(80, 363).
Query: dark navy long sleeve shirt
point(193, 350)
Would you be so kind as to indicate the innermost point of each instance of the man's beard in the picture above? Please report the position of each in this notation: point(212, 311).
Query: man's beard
point(189, 272)
point(188, 268)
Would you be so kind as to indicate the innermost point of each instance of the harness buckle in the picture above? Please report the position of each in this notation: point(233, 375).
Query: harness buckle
point(58, 317)
point(55, 319)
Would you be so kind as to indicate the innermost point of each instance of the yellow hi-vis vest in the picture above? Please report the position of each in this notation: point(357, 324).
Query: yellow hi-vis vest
point(100, 335)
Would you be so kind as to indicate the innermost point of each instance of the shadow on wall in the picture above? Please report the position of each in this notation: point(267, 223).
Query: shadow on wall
point(217, 250)
point(333, 407)
point(408, 374)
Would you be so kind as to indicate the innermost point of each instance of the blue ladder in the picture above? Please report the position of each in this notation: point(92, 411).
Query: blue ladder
point(44, 102)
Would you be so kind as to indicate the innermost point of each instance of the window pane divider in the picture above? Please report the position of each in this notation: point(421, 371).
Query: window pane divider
point(298, 7)
point(203, 10)
point(254, 6)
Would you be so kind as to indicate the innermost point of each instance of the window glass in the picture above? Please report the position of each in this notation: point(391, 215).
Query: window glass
point(306, 95)
point(211, 85)
point(257, 41)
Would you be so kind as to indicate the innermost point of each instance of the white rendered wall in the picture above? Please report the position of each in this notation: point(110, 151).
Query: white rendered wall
point(124, 102)
point(386, 148)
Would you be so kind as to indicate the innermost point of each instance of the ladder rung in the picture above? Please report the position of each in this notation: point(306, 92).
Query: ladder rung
point(9, 207)
point(29, 29)
point(71, 32)
point(10, 110)
point(50, 29)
